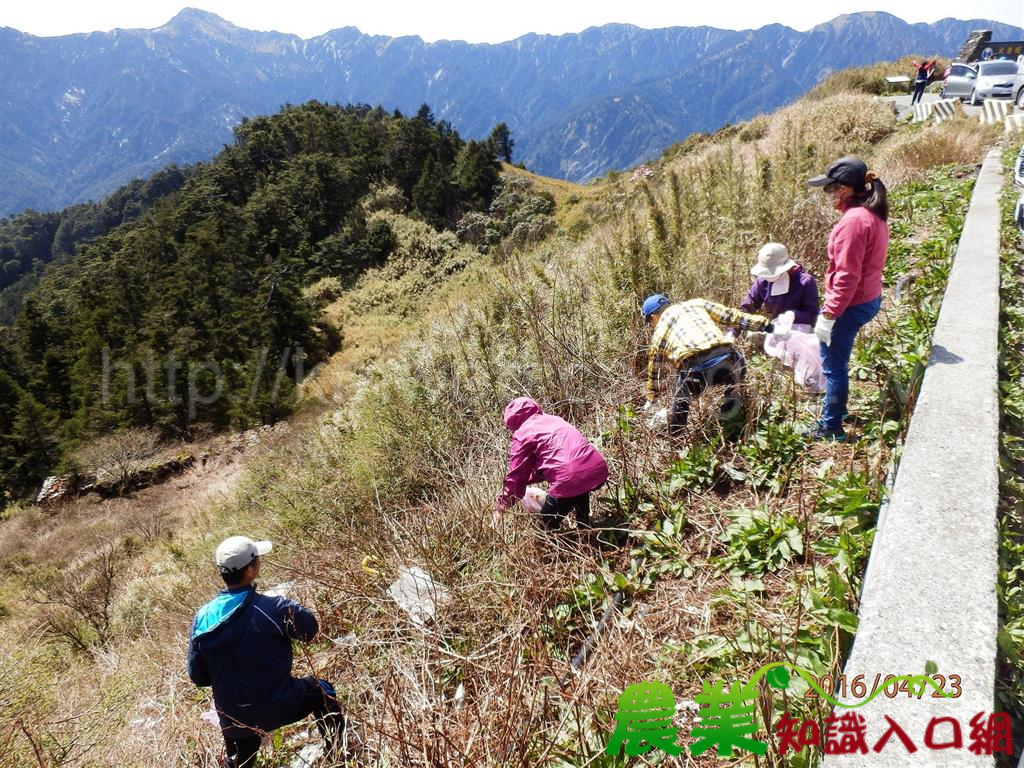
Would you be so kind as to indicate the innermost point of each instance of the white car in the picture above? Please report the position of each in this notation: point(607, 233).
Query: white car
point(985, 80)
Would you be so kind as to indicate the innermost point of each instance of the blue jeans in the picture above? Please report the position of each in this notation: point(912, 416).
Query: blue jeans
point(835, 361)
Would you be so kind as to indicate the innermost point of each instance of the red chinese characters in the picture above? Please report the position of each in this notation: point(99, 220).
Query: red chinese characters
point(847, 734)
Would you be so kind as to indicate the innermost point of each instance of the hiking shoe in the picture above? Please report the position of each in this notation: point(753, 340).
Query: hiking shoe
point(818, 432)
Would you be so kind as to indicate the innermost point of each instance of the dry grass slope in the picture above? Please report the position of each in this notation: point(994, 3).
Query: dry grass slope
point(725, 553)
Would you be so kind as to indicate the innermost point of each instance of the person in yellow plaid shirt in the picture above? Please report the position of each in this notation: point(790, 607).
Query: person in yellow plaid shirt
point(688, 335)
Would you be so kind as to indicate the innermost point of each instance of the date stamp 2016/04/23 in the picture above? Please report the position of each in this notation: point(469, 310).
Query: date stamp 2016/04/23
point(864, 686)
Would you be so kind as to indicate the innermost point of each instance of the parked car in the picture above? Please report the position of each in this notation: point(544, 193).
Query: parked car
point(985, 80)
point(958, 82)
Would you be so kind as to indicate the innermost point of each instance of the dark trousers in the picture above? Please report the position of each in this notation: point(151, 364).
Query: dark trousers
point(241, 753)
point(555, 510)
point(919, 86)
point(694, 378)
point(321, 701)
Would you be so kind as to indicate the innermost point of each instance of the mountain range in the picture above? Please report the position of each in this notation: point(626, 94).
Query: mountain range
point(84, 113)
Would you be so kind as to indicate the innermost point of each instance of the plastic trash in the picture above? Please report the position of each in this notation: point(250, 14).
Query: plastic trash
point(280, 590)
point(801, 352)
point(210, 715)
point(534, 498)
point(308, 756)
point(783, 325)
point(418, 595)
point(658, 419)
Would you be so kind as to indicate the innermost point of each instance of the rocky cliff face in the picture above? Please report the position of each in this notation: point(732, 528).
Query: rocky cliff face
point(84, 113)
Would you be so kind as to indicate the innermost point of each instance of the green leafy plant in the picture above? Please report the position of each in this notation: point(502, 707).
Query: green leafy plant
point(694, 470)
point(760, 540)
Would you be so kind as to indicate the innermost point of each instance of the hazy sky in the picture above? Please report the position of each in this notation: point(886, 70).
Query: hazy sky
point(480, 20)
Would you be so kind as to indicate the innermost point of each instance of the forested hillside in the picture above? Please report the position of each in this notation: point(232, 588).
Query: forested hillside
point(194, 313)
point(31, 240)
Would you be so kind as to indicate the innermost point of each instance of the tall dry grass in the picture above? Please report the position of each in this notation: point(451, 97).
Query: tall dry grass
point(870, 79)
point(909, 156)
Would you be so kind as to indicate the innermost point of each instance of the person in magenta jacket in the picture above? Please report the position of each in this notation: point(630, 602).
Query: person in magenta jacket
point(546, 447)
point(857, 248)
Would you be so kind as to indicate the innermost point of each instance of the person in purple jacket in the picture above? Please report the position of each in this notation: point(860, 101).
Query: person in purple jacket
point(546, 447)
point(782, 285)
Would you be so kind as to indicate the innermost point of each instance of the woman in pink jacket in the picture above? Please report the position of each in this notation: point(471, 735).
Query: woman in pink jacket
point(857, 248)
point(546, 447)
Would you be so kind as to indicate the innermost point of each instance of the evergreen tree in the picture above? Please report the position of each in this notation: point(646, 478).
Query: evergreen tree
point(501, 140)
point(477, 173)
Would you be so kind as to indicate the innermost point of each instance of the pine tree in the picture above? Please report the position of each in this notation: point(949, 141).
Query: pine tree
point(476, 173)
point(501, 140)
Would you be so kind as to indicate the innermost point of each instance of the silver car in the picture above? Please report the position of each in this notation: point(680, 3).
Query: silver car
point(985, 80)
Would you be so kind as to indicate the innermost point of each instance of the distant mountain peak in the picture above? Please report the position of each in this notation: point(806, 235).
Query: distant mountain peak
point(198, 19)
point(577, 103)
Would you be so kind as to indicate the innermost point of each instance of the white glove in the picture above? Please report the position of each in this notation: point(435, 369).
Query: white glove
point(783, 325)
point(823, 329)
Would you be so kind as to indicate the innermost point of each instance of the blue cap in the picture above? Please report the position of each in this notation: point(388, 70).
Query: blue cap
point(654, 303)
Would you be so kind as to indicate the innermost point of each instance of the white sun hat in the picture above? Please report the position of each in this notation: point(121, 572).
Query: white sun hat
point(772, 260)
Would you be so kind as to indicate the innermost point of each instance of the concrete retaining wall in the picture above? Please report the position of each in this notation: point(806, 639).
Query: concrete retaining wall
point(930, 594)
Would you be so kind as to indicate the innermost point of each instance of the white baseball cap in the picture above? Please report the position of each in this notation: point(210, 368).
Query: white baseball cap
point(236, 552)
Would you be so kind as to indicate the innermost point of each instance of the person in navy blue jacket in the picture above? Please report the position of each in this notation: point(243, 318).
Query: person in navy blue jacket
point(241, 644)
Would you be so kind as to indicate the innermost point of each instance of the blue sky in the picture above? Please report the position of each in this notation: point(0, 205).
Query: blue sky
point(480, 20)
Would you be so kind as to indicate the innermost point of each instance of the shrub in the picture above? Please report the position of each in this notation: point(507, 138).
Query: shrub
point(77, 604)
point(754, 129)
point(384, 197)
point(841, 124)
point(323, 291)
point(115, 457)
point(516, 213)
point(954, 142)
point(870, 79)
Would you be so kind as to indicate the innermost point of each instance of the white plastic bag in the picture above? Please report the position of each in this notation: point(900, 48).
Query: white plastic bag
point(782, 325)
point(658, 420)
point(534, 498)
point(210, 715)
point(418, 595)
point(801, 352)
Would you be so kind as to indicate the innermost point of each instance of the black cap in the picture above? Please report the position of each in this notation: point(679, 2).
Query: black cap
point(850, 171)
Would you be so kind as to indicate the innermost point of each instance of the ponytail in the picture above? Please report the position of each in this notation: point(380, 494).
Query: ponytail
point(873, 197)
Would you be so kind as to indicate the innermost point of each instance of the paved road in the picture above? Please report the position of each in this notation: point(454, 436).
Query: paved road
point(903, 107)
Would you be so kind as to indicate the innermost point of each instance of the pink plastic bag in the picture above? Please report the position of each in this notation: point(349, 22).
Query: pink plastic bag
point(801, 352)
point(534, 498)
point(210, 715)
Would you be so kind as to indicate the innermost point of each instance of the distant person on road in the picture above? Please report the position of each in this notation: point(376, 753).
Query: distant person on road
point(547, 447)
point(781, 285)
point(857, 248)
point(241, 644)
point(688, 335)
point(923, 73)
